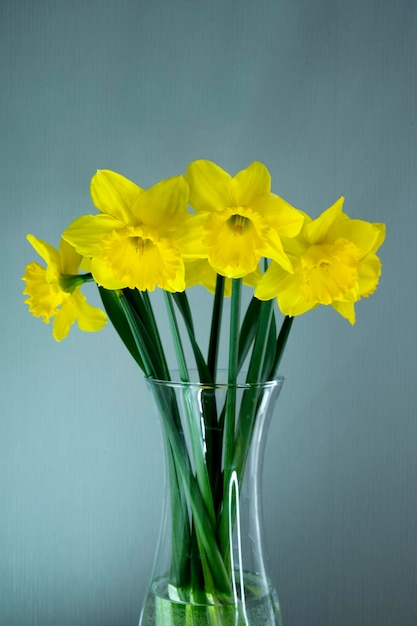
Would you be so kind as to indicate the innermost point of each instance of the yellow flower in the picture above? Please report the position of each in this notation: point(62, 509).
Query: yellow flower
point(334, 263)
point(132, 241)
point(238, 220)
point(54, 291)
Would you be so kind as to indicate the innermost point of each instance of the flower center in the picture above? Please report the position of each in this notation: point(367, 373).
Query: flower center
point(141, 244)
point(137, 257)
point(237, 223)
point(330, 271)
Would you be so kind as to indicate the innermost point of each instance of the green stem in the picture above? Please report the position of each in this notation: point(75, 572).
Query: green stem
point(230, 412)
point(181, 301)
point(112, 304)
point(180, 529)
point(234, 330)
point(179, 351)
point(247, 418)
point(135, 328)
point(281, 343)
point(213, 440)
point(196, 438)
point(229, 423)
point(68, 282)
point(216, 319)
point(248, 329)
point(204, 528)
point(155, 333)
point(261, 342)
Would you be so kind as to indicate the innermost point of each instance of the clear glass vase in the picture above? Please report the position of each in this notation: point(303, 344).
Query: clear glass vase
point(209, 567)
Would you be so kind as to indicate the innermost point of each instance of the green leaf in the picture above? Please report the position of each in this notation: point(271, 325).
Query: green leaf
point(270, 350)
point(114, 309)
point(126, 314)
point(181, 301)
point(281, 343)
point(262, 332)
point(248, 329)
point(154, 367)
point(140, 302)
point(176, 336)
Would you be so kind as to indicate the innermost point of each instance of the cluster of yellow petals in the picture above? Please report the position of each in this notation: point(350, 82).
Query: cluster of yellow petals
point(133, 241)
point(334, 263)
point(143, 238)
point(147, 239)
point(54, 290)
point(238, 220)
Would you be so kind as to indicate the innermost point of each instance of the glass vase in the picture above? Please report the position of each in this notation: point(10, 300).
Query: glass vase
point(209, 566)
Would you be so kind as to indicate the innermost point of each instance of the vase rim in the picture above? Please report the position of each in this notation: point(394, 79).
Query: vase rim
point(221, 382)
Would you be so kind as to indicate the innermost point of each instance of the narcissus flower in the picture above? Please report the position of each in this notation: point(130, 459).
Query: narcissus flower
point(238, 220)
point(54, 291)
point(334, 263)
point(132, 241)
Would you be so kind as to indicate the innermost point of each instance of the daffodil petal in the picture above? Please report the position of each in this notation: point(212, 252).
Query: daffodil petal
point(346, 310)
point(70, 259)
point(278, 283)
point(273, 249)
point(189, 238)
point(49, 254)
point(200, 272)
point(283, 217)
point(365, 235)
point(271, 282)
point(381, 228)
point(368, 275)
point(290, 300)
point(76, 308)
point(114, 194)
point(64, 319)
point(103, 275)
point(316, 230)
point(163, 206)
point(86, 232)
point(249, 183)
point(85, 264)
point(89, 318)
point(209, 186)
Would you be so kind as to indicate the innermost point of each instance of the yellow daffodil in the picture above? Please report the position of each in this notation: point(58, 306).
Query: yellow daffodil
point(132, 241)
point(54, 291)
point(334, 263)
point(238, 220)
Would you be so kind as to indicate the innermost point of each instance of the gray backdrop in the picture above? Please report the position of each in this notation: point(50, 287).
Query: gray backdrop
point(324, 93)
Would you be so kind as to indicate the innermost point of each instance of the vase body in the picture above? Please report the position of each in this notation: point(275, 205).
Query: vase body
point(209, 566)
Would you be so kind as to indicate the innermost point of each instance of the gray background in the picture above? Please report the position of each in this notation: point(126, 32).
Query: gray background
point(325, 94)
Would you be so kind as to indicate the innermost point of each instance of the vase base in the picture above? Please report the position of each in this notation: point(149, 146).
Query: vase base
point(258, 609)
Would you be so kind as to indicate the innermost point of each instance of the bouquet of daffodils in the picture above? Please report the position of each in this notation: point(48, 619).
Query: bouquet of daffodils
point(236, 231)
point(211, 229)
